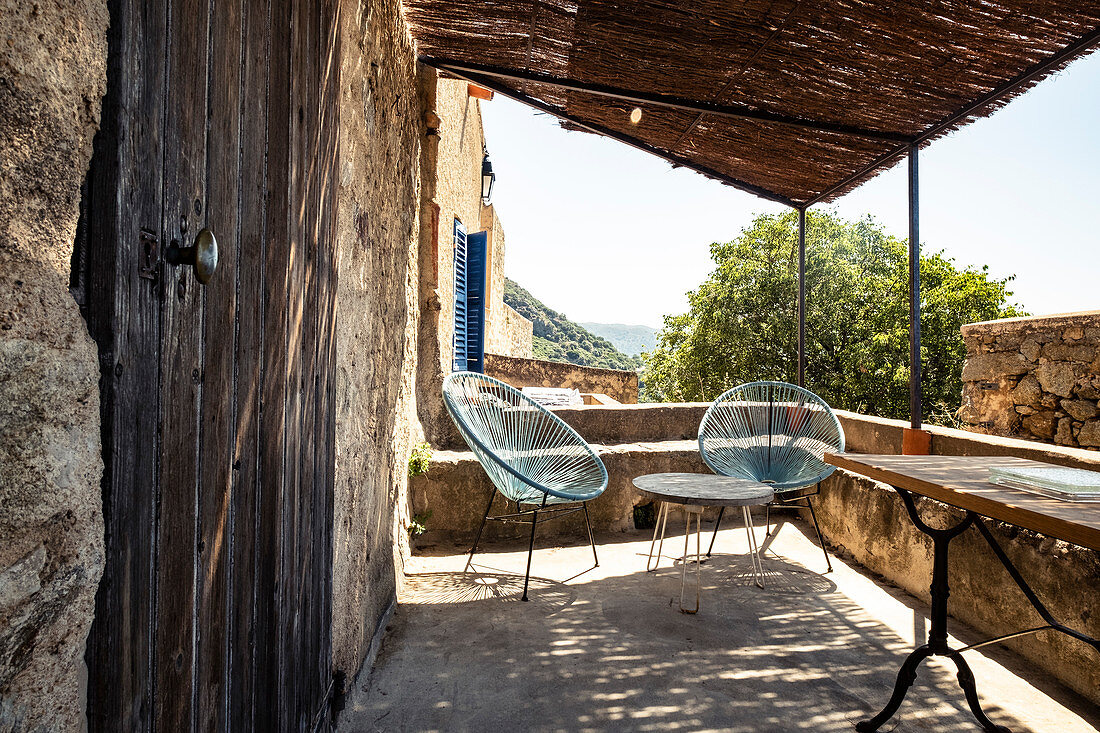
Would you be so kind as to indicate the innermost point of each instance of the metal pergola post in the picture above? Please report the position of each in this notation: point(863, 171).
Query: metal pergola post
point(802, 297)
point(914, 292)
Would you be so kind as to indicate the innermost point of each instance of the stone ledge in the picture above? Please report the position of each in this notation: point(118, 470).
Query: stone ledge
point(456, 488)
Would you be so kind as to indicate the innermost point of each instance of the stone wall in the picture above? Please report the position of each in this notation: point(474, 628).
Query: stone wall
point(450, 189)
point(1036, 378)
point(617, 384)
point(377, 312)
point(52, 77)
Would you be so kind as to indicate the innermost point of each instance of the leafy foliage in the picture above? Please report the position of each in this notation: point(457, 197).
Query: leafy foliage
point(742, 324)
point(556, 338)
point(420, 459)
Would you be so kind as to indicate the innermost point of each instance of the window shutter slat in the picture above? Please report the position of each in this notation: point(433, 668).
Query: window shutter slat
point(461, 357)
point(476, 258)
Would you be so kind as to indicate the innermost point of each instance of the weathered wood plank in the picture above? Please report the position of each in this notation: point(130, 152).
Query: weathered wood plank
point(181, 367)
point(124, 198)
point(292, 621)
point(320, 653)
point(251, 254)
point(219, 395)
point(270, 582)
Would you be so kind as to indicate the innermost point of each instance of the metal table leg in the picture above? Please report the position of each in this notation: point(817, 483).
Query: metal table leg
point(937, 635)
point(659, 529)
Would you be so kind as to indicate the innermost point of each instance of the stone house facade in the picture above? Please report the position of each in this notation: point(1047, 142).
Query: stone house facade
point(1036, 378)
point(451, 159)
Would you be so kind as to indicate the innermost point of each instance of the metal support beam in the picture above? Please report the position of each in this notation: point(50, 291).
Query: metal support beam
point(915, 417)
point(634, 96)
point(802, 297)
point(503, 89)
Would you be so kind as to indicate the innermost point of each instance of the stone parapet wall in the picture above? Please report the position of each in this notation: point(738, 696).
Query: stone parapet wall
point(1034, 378)
point(615, 383)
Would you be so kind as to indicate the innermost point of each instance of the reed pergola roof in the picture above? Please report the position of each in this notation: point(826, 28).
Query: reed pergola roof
point(798, 101)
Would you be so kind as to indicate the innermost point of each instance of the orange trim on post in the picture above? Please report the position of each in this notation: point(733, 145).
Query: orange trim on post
point(915, 442)
point(479, 92)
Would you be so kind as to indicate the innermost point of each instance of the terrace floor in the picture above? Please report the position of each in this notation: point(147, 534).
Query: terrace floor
point(608, 649)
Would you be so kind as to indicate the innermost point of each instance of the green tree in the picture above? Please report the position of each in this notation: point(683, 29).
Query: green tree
point(742, 324)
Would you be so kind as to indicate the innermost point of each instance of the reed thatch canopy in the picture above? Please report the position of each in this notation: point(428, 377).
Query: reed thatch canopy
point(799, 101)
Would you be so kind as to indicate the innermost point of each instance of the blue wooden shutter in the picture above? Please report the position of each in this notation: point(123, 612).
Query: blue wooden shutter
point(476, 246)
point(460, 339)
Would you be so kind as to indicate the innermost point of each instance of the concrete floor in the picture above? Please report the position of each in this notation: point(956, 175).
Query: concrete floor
point(608, 649)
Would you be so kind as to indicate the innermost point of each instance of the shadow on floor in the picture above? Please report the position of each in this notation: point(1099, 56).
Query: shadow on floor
point(610, 651)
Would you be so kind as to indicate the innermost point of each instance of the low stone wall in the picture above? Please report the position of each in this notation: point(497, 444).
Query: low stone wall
point(615, 383)
point(863, 520)
point(1035, 378)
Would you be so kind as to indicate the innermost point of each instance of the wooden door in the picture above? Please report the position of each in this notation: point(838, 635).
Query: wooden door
point(214, 610)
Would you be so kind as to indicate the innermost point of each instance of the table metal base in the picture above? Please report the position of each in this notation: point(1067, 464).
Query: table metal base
point(937, 635)
point(691, 510)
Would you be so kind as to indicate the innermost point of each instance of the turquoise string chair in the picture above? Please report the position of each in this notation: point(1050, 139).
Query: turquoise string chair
point(774, 433)
point(532, 457)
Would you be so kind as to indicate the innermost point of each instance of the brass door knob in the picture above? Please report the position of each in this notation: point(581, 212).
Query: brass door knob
point(202, 255)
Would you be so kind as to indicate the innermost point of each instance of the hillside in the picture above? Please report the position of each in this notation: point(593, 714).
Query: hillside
point(632, 340)
point(556, 338)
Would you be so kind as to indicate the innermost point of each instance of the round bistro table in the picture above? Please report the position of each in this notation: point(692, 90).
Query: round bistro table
point(692, 492)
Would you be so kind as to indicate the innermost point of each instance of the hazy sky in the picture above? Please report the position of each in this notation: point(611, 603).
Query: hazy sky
point(605, 233)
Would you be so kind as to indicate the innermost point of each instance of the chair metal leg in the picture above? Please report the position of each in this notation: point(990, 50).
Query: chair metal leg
point(813, 516)
point(530, 551)
point(591, 539)
point(662, 518)
point(754, 550)
point(477, 537)
point(717, 524)
point(768, 519)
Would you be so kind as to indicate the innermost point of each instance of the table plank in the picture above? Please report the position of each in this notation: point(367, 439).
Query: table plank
point(963, 482)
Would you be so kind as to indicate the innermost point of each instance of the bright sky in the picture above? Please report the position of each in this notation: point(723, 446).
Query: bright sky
point(605, 233)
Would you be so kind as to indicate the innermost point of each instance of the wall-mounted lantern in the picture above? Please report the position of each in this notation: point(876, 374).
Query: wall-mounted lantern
point(487, 179)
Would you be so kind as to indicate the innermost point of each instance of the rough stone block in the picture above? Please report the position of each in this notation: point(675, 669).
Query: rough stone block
point(992, 366)
point(1069, 352)
point(1027, 392)
point(1057, 378)
point(1041, 424)
point(1030, 349)
point(1080, 409)
point(1064, 434)
point(1090, 434)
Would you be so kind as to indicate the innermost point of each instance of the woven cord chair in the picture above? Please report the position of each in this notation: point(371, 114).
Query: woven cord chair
point(774, 433)
point(532, 457)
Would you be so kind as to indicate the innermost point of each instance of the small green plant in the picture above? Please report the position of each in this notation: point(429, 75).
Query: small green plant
point(420, 460)
point(418, 523)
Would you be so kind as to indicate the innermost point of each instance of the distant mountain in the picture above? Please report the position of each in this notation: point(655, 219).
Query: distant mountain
point(630, 340)
point(556, 338)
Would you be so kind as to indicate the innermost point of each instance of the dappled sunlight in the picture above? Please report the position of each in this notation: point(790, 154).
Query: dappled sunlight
point(610, 649)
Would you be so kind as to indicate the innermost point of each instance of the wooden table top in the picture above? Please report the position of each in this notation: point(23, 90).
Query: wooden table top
point(704, 489)
point(963, 482)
